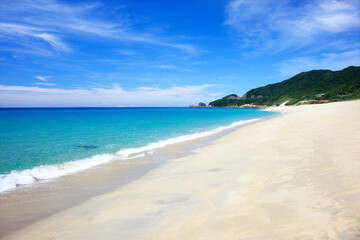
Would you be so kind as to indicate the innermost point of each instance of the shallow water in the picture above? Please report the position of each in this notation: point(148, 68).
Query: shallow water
point(48, 143)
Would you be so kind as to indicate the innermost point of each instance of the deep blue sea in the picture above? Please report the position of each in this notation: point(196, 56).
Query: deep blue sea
point(48, 143)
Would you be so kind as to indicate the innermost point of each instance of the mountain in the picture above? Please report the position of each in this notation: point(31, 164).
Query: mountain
point(303, 87)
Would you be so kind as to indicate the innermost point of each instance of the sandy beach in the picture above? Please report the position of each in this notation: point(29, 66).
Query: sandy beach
point(296, 176)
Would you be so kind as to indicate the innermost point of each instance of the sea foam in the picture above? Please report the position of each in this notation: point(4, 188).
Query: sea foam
point(28, 176)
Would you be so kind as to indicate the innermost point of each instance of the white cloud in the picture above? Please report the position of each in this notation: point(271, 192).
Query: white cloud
point(148, 88)
point(168, 67)
point(272, 25)
point(45, 84)
point(24, 21)
point(15, 89)
point(325, 17)
point(17, 96)
point(54, 41)
point(22, 35)
point(43, 78)
point(331, 61)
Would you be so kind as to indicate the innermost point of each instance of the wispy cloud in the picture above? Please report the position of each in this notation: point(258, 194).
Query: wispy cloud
point(174, 67)
point(45, 84)
point(274, 26)
point(39, 22)
point(53, 41)
point(15, 96)
point(43, 78)
point(24, 35)
point(332, 61)
point(168, 67)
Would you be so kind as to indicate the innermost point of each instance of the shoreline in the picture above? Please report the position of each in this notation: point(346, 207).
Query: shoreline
point(293, 176)
point(70, 190)
point(23, 178)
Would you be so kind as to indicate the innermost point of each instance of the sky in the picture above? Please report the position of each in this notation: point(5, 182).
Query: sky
point(142, 53)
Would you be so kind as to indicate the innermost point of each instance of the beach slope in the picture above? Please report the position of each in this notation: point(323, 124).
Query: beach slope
point(296, 176)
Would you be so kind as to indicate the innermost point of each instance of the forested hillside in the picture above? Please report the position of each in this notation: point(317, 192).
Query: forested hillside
point(304, 87)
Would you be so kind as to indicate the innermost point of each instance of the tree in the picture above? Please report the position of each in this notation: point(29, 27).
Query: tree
point(201, 104)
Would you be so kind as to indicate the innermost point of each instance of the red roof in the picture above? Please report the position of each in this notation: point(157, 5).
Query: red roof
point(322, 101)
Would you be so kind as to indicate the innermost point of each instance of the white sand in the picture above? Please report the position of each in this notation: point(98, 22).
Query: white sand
point(292, 177)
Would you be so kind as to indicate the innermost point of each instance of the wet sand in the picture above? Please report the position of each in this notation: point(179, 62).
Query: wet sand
point(292, 177)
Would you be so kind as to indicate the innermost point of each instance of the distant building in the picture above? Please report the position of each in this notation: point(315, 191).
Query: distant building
point(259, 96)
point(320, 95)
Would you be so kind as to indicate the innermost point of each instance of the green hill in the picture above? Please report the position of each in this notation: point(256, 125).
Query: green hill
point(305, 86)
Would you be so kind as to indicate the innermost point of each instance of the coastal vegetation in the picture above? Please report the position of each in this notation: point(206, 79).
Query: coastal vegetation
point(201, 104)
point(303, 88)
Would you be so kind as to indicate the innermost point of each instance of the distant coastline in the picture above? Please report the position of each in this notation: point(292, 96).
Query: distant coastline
point(316, 86)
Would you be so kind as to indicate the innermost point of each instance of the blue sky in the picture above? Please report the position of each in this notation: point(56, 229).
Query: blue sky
point(165, 53)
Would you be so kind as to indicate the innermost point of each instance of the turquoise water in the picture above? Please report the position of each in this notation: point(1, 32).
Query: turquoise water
point(30, 138)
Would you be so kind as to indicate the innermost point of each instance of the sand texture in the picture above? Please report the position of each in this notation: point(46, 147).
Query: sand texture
point(296, 176)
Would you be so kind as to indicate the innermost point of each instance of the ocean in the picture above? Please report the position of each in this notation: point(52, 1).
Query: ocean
point(45, 143)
